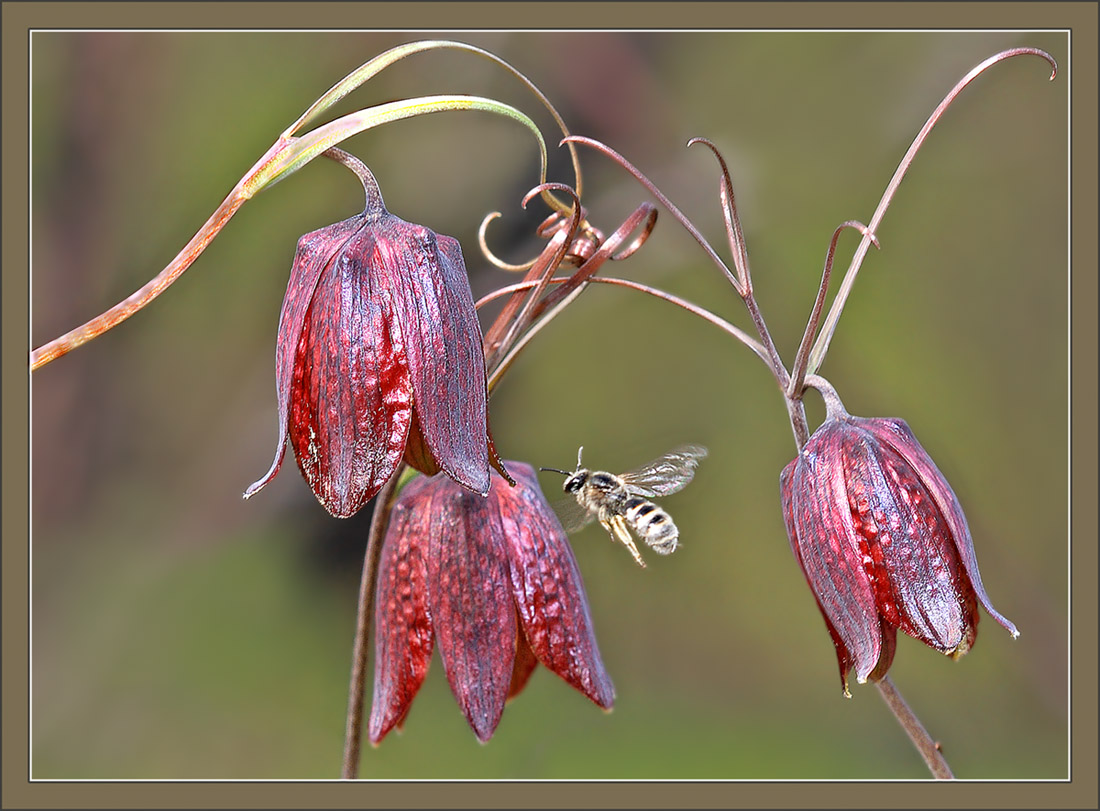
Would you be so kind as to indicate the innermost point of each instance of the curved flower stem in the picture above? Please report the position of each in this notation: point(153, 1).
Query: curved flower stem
point(926, 745)
point(834, 407)
point(742, 336)
point(353, 730)
point(371, 191)
point(821, 346)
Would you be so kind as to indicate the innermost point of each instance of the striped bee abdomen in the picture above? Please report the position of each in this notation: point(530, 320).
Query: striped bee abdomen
point(652, 524)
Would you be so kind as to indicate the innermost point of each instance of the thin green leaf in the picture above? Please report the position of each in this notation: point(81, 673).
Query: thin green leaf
point(358, 77)
point(299, 151)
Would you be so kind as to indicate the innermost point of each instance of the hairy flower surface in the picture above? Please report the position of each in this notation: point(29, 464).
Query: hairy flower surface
point(494, 582)
point(883, 543)
point(379, 358)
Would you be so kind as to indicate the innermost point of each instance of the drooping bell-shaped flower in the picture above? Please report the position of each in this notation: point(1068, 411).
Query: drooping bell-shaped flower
point(379, 359)
point(882, 541)
point(494, 582)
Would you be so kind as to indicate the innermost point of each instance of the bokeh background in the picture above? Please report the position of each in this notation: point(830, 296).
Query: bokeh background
point(181, 632)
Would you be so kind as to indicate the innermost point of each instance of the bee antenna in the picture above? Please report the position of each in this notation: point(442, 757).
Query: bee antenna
point(555, 470)
point(580, 450)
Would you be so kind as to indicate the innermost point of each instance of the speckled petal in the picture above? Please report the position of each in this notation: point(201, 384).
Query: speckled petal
point(786, 489)
point(829, 549)
point(471, 603)
point(351, 395)
point(523, 667)
point(918, 584)
point(315, 252)
point(896, 434)
point(547, 586)
point(426, 276)
point(403, 636)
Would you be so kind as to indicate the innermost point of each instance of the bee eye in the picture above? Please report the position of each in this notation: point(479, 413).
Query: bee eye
point(574, 483)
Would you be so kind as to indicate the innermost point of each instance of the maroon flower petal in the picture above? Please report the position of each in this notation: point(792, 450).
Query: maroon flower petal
point(896, 434)
point(915, 569)
point(403, 628)
point(869, 484)
point(496, 461)
point(351, 397)
point(417, 454)
point(829, 548)
point(471, 604)
point(315, 251)
point(786, 489)
point(546, 582)
point(523, 667)
point(886, 658)
point(432, 301)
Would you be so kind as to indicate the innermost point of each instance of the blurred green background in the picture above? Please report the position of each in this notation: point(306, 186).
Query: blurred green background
point(181, 632)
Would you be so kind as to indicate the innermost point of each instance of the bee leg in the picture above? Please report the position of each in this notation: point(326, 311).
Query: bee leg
point(617, 529)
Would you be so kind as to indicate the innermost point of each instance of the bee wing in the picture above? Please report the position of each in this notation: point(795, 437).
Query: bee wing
point(572, 515)
point(667, 474)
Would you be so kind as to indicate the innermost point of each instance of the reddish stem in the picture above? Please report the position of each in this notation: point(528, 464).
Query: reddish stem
point(353, 730)
point(925, 743)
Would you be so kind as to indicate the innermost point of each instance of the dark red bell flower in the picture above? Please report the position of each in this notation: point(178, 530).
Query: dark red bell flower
point(494, 582)
point(883, 543)
point(379, 358)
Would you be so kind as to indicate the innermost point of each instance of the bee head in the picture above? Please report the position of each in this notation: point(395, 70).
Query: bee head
point(579, 476)
point(575, 481)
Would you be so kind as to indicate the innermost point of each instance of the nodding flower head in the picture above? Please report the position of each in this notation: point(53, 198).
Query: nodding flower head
point(379, 359)
point(494, 582)
point(883, 543)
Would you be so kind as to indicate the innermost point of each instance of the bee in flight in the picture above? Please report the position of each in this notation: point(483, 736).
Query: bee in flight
point(621, 503)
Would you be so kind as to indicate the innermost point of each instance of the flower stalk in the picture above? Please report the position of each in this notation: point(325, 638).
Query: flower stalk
point(360, 655)
point(925, 744)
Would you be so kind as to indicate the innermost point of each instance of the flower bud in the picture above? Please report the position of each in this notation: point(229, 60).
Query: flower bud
point(883, 543)
point(379, 359)
point(494, 582)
